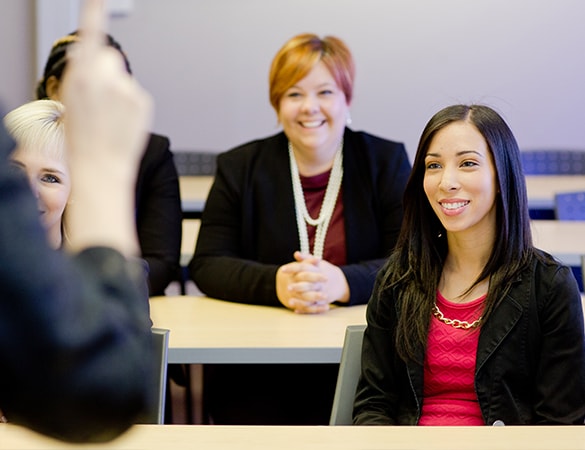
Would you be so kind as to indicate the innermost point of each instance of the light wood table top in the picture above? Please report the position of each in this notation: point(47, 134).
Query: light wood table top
point(194, 191)
point(564, 239)
point(541, 189)
point(189, 239)
point(215, 437)
point(205, 330)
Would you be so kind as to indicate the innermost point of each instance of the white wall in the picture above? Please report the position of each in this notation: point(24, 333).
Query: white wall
point(206, 63)
point(17, 75)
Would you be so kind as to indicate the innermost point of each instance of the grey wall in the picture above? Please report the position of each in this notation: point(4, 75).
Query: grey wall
point(206, 63)
point(17, 50)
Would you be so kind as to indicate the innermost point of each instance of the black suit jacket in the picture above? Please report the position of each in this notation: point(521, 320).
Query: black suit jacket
point(248, 228)
point(158, 213)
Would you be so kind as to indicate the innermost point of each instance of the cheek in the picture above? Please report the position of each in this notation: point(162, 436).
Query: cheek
point(427, 186)
point(55, 199)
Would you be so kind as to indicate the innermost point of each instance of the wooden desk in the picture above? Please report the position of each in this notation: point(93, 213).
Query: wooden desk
point(542, 188)
point(188, 240)
point(194, 190)
point(563, 239)
point(216, 437)
point(205, 330)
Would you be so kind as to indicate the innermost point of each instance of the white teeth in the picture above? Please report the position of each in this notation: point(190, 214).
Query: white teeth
point(454, 205)
point(313, 124)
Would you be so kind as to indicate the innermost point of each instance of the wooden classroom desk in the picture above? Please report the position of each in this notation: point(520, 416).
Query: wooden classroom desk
point(194, 190)
point(188, 240)
point(541, 189)
point(564, 239)
point(205, 330)
point(216, 437)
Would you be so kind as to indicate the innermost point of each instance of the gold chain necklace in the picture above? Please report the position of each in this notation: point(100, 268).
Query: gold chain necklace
point(455, 323)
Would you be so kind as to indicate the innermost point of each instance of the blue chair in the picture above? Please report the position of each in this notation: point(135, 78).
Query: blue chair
point(570, 206)
point(553, 162)
point(160, 340)
point(349, 373)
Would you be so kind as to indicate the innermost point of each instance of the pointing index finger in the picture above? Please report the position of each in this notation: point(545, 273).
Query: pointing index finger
point(92, 23)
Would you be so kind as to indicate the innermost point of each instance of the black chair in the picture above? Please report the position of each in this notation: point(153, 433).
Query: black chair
point(194, 162)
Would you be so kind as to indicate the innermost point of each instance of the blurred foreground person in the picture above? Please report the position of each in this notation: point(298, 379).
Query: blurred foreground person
point(75, 343)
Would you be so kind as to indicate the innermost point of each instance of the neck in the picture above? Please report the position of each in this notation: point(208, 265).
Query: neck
point(312, 163)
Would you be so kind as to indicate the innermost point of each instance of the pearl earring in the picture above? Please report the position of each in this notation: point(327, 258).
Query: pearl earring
point(348, 120)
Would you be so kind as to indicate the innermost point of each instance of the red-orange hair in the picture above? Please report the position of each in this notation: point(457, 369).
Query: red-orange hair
point(300, 54)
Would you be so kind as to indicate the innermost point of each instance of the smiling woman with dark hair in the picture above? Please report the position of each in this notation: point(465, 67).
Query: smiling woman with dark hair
point(469, 324)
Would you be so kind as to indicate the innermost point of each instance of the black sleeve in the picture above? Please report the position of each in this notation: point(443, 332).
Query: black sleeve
point(158, 214)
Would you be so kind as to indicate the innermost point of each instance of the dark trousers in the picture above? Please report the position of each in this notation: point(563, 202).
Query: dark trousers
point(269, 394)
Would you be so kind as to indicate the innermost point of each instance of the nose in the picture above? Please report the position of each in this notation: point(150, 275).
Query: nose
point(34, 187)
point(310, 104)
point(449, 180)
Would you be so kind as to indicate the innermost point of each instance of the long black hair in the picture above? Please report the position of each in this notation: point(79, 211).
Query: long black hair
point(414, 269)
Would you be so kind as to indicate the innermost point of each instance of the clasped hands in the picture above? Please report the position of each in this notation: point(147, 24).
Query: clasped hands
point(309, 285)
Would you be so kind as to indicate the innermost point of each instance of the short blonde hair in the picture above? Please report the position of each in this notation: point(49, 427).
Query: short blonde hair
point(38, 126)
point(300, 54)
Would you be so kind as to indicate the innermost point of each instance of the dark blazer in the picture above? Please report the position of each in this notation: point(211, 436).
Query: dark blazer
point(530, 365)
point(158, 214)
point(75, 337)
point(248, 228)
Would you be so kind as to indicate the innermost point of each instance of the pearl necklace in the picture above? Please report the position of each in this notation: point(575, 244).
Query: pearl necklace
point(327, 207)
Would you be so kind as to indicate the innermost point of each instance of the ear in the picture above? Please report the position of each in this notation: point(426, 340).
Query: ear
point(52, 87)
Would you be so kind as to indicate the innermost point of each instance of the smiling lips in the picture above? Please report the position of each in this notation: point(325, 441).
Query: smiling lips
point(312, 124)
point(452, 208)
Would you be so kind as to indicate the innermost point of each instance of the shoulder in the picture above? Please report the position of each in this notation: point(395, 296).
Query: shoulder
point(158, 141)
point(545, 281)
point(266, 148)
point(548, 270)
point(360, 145)
point(371, 142)
point(376, 159)
point(157, 149)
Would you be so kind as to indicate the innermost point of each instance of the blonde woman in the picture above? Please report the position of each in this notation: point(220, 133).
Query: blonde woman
point(38, 129)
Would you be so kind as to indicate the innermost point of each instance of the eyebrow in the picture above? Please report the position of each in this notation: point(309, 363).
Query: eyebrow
point(43, 169)
point(320, 86)
point(461, 153)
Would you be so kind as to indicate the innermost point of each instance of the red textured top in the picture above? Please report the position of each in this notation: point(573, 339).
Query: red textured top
point(314, 189)
point(449, 391)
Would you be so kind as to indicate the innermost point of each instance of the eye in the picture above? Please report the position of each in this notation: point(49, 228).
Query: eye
point(293, 94)
point(17, 165)
point(50, 178)
point(468, 164)
point(433, 165)
point(326, 92)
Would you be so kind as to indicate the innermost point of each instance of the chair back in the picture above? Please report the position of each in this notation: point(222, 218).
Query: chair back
point(553, 162)
point(160, 339)
point(570, 206)
point(347, 378)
